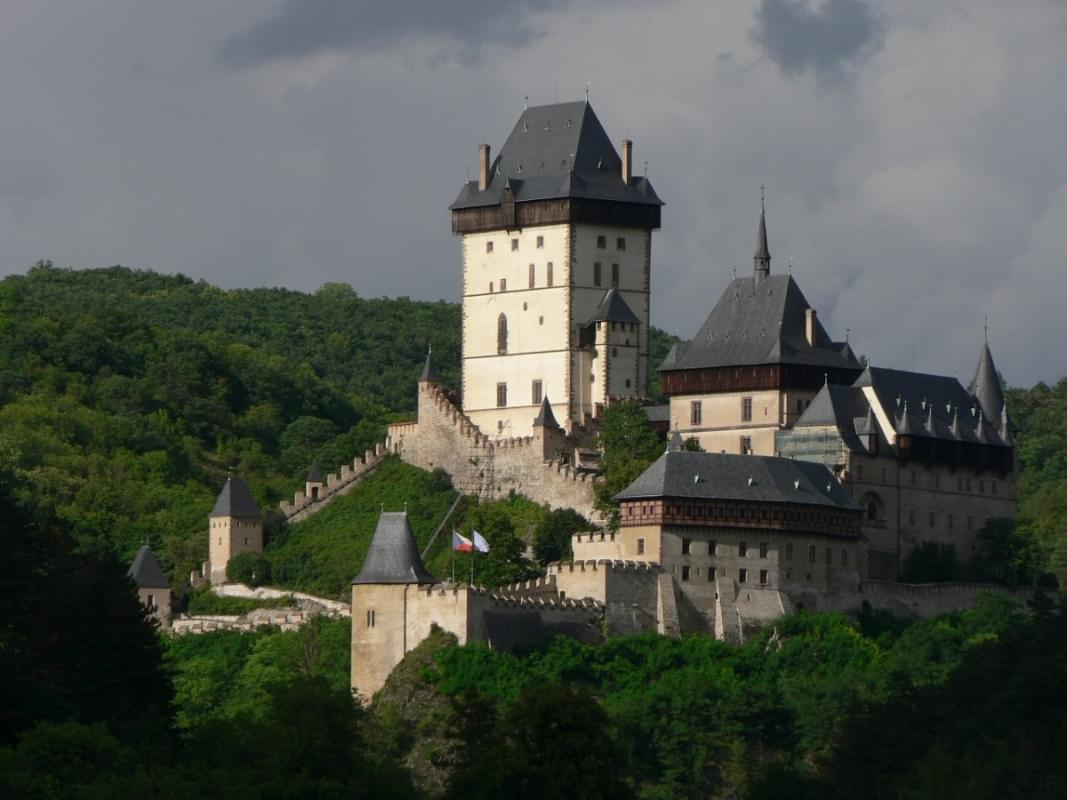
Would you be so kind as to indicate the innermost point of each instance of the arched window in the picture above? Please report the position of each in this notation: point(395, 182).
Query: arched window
point(501, 334)
point(873, 507)
point(811, 553)
point(789, 551)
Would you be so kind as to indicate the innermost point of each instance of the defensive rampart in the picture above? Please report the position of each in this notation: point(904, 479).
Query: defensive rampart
point(335, 485)
point(536, 466)
point(932, 599)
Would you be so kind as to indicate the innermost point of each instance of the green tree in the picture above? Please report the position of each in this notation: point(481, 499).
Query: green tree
point(627, 445)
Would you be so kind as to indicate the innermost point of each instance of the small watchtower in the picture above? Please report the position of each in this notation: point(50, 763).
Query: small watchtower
point(235, 526)
point(381, 600)
point(153, 588)
point(314, 483)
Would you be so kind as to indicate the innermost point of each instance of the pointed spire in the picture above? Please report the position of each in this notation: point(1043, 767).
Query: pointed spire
point(986, 387)
point(931, 427)
point(429, 373)
point(236, 500)
point(761, 262)
point(675, 445)
point(545, 418)
point(954, 428)
point(1005, 428)
point(903, 424)
point(146, 570)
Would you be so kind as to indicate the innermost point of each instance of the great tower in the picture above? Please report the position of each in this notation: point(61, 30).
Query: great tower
point(556, 251)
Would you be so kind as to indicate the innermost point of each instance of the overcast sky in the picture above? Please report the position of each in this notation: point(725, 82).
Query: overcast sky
point(914, 153)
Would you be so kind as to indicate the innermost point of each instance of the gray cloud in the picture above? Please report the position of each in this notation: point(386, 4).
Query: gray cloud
point(827, 37)
point(465, 28)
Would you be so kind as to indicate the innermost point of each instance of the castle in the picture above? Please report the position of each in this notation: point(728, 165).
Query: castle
point(818, 474)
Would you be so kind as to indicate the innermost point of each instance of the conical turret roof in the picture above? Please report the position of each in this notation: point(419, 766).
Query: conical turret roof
point(146, 570)
point(545, 418)
point(429, 371)
point(393, 556)
point(986, 387)
point(235, 500)
point(314, 474)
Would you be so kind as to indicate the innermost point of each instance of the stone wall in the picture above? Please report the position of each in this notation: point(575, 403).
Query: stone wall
point(629, 591)
point(337, 484)
point(932, 599)
point(534, 466)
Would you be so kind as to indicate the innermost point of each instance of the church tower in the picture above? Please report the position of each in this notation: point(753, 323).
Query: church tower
point(236, 526)
point(556, 253)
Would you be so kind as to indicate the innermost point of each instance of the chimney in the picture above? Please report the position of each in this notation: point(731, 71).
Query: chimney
point(627, 160)
point(809, 326)
point(483, 167)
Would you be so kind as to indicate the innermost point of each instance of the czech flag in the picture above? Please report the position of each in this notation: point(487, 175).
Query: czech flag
point(462, 543)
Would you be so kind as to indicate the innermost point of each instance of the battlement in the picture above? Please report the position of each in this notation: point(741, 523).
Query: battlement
point(589, 537)
point(595, 564)
point(337, 483)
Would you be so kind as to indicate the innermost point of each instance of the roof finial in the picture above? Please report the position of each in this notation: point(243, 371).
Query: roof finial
point(985, 329)
point(847, 331)
point(763, 198)
point(587, 92)
point(761, 261)
point(525, 101)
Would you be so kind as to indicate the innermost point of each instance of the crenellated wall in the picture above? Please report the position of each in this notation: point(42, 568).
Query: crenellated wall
point(536, 466)
point(337, 484)
point(928, 600)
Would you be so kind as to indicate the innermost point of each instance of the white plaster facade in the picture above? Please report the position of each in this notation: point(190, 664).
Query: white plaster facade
point(526, 295)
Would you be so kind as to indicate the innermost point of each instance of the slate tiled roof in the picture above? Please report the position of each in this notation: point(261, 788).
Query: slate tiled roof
point(393, 556)
point(558, 151)
point(658, 413)
point(613, 308)
point(760, 322)
point(235, 500)
point(986, 387)
point(146, 570)
point(314, 474)
point(545, 417)
point(722, 476)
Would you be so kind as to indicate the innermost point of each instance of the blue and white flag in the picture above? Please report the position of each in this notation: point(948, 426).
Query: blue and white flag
point(480, 544)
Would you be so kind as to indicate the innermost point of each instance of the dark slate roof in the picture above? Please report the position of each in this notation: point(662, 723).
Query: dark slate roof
point(545, 417)
point(763, 252)
point(393, 556)
point(146, 570)
point(658, 413)
point(761, 322)
point(985, 387)
point(931, 403)
point(235, 500)
point(429, 371)
point(722, 476)
point(613, 308)
point(558, 151)
point(314, 474)
point(842, 407)
point(674, 355)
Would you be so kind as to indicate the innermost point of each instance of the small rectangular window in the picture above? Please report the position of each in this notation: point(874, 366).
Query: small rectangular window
point(514, 245)
point(501, 395)
point(548, 274)
point(742, 549)
point(685, 573)
point(615, 275)
point(746, 409)
point(540, 242)
point(640, 547)
point(742, 575)
point(601, 242)
point(620, 243)
point(535, 393)
point(503, 284)
point(762, 549)
point(686, 544)
point(746, 445)
point(763, 577)
point(811, 553)
point(789, 551)
point(597, 278)
point(711, 548)
point(533, 275)
point(932, 519)
point(696, 412)
point(370, 618)
point(489, 247)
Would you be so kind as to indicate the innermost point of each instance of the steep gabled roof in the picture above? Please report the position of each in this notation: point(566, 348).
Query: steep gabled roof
point(558, 151)
point(761, 322)
point(235, 500)
point(393, 556)
point(146, 570)
point(723, 476)
point(314, 474)
point(613, 308)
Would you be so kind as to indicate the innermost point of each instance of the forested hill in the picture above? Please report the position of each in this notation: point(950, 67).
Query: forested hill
point(126, 395)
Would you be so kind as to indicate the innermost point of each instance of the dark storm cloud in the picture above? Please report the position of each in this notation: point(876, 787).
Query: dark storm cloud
point(826, 36)
point(308, 27)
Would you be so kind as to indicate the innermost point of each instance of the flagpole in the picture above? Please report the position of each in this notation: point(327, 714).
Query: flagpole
point(472, 563)
point(453, 548)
